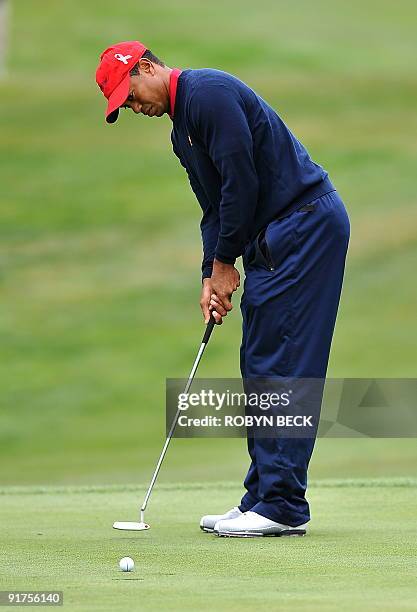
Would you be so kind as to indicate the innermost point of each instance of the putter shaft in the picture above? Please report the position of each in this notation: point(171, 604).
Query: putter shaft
point(204, 342)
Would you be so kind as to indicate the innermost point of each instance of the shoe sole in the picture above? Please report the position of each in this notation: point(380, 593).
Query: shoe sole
point(253, 534)
point(206, 529)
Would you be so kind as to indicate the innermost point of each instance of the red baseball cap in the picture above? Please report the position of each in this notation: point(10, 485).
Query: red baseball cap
point(112, 74)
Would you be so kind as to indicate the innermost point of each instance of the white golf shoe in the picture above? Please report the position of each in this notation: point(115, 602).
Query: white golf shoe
point(250, 524)
point(207, 522)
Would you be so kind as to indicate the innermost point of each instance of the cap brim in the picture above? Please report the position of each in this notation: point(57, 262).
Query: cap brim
point(117, 98)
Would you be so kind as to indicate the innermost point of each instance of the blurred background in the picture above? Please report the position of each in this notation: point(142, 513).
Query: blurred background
point(100, 246)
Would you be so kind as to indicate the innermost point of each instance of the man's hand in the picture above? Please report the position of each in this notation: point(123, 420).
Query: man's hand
point(206, 293)
point(217, 291)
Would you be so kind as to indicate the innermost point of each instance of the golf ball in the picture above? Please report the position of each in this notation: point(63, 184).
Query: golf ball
point(126, 564)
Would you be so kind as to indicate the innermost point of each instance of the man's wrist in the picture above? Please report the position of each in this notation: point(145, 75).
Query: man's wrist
point(223, 257)
point(220, 265)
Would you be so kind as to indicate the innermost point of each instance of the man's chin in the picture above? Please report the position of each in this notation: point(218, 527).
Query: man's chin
point(157, 113)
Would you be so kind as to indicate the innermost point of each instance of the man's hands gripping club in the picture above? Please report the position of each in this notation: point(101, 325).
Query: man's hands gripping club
point(217, 291)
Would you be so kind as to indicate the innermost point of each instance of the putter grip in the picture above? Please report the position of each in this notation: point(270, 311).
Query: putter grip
point(209, 329)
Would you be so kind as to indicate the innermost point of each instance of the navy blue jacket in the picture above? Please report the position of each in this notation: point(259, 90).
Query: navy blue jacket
point(244, 165)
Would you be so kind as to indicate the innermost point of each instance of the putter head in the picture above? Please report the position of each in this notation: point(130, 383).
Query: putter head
point(130, 526)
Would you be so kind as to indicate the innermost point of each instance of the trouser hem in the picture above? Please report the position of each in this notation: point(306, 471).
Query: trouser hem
point(273, 512)
point(248, 502)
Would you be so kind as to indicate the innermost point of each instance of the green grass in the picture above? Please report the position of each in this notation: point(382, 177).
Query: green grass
point(359, 551)
point(100, 247)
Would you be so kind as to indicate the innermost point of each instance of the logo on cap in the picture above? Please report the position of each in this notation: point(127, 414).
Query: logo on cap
point(123, 58)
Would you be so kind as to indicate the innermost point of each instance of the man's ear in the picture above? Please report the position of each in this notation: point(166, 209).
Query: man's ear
point(146, 66)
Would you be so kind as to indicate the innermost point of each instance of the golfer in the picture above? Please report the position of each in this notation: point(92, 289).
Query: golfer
point(263, 199)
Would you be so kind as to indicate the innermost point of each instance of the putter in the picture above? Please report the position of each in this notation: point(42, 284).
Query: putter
point(141, 525)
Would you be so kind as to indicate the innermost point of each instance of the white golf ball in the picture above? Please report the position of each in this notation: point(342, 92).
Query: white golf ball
point(126, 564)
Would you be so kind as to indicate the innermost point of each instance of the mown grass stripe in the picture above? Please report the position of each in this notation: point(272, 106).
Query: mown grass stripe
point(194, 486)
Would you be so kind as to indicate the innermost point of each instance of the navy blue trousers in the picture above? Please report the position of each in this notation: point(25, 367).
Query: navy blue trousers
point(293, 279)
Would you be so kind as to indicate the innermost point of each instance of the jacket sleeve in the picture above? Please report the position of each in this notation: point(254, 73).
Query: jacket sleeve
point(219, 121)
point(210, 222)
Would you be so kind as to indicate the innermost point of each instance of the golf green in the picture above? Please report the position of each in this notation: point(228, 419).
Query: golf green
point(360, 551)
